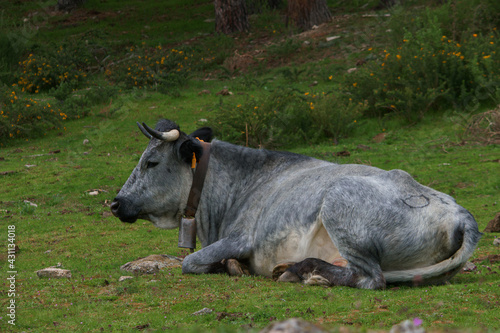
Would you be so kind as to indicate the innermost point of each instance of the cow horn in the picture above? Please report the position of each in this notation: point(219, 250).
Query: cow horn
point(143, 130)
point(171, 135)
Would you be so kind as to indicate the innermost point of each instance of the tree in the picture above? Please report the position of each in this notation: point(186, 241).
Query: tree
point(307, 13)
point(69, 5)
point(230, 16)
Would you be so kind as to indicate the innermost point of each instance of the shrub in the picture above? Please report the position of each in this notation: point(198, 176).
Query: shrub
point(49, 68)
point(153, 68)
point(23, 117)
point(429, 70)
point(284, 117)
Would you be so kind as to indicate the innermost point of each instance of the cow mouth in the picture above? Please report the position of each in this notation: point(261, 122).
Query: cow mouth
point(128, 219)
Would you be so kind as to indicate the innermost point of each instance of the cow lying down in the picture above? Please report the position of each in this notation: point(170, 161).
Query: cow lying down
point(305, 219)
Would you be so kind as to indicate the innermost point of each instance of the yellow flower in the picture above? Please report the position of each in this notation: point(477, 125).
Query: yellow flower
point(354, 84)
point(474, 35)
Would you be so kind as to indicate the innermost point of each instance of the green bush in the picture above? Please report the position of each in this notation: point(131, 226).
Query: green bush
point(48, 68)
point(24, 117)
point(284, 117)
point(428, 70)
point(153, 68)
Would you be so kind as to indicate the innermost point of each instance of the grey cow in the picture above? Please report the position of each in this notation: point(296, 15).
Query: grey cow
point(298, 216)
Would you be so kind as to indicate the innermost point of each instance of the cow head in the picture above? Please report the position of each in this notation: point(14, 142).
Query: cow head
point(158, 188)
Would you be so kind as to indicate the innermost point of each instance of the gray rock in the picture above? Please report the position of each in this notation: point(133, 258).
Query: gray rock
point(53, 272)
point(151, 264)
point(125, 277)
point(293, 325)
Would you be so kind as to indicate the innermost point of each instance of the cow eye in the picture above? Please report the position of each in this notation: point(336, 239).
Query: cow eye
point(151, 164)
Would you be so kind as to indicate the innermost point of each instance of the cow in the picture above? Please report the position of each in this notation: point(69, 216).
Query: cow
point(297, 218)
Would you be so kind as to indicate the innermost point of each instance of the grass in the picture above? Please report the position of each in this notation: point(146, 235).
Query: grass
point(76, 229)
point(71, 227)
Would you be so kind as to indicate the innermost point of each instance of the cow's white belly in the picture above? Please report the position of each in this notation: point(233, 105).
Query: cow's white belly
point(312, 243)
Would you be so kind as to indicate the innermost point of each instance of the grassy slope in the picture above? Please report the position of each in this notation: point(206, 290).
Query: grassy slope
point(80, 233)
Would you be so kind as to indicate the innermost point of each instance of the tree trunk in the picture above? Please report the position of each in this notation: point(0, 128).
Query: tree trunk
point(307, 13)
point(230, 16)
point(69, 5)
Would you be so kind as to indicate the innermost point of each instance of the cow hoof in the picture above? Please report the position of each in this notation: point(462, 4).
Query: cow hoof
point(278, 270)
point(235, 268)
point(289, 277)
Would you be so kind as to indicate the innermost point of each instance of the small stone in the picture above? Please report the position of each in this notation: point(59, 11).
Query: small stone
point(496, 242)
point(202, 312)
point(493, 225)
point(293, 325)
point(406, 326)
point(85, 141)
point(52, 272)
point(125, 277)
point(151, 264)
point(469, 267)
point(329, 39)
point(94, 193)
point(32, 204)
point(350, 70)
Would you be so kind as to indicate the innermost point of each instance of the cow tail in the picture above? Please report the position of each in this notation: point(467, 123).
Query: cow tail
point(444, 270)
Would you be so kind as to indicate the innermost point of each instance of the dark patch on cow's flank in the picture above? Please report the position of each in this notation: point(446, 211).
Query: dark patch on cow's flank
point(416, 201)
point(440, 199)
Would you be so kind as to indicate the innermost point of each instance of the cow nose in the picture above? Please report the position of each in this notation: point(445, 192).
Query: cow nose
point(115, 205)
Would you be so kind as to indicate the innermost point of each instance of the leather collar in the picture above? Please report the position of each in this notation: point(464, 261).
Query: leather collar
point(198, 182)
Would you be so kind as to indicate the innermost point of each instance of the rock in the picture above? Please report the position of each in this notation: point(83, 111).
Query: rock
point(496, 242)
point(469, 267)
point(202, 312)
point(53, 272)
point(125, 277)
point(151, 264)
point(407, 326)
point(329, 39)
point(85, 141)
point(494, 225)
point(93, 192)
point(32, 204)
point(293, 325)
point(350, 70)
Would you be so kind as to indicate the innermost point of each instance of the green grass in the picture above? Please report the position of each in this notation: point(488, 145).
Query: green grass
point(80, 233)
point(73, 228)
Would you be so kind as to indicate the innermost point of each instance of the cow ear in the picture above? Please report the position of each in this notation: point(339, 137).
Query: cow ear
point(204, 134)
point(188, 147)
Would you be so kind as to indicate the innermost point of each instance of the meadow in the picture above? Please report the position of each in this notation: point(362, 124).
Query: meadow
point(265, 88)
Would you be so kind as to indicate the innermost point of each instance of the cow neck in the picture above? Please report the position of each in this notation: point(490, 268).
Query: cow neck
point(198, 181)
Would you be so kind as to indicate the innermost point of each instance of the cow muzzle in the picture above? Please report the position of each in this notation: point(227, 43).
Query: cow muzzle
point(124, 210)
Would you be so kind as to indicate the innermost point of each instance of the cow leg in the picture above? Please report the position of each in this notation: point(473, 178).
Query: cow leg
point(318, 272)
point(222, 256)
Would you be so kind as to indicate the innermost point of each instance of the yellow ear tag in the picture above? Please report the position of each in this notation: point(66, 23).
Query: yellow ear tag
point(193, 161)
